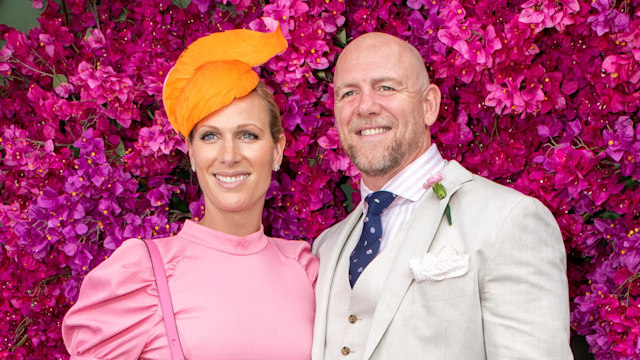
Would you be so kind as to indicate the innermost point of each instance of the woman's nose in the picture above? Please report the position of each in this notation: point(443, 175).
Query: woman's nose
point(230, 153)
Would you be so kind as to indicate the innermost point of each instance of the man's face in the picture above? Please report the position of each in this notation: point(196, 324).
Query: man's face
point(380, 108)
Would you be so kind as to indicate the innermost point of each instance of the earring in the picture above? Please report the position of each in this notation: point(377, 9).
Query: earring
point(193, 168)
point(276, 167)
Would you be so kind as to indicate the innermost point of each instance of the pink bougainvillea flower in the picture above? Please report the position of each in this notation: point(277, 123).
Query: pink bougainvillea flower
point(548, 13)
point(91, 160)
point(507, 99)
point(608, 19)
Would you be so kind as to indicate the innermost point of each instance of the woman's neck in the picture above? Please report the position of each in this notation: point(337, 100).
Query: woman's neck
point(232, 223)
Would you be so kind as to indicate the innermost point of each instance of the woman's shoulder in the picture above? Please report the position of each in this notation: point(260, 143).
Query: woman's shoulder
point(128, 264)
point(300, 251)
point(118, 308)
point(291, 248)
point(118, 300)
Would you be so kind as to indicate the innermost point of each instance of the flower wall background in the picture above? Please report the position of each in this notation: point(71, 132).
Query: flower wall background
point(539, 95)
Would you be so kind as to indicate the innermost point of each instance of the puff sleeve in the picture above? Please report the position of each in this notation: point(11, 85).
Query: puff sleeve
point(117, 308)
point(301, 252)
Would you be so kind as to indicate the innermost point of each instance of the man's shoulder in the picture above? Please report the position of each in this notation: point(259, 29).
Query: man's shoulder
point(332, 233)
point(491, 197)
point(482, 187)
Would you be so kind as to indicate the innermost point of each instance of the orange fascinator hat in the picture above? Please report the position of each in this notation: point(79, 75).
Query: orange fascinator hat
point(213, 71)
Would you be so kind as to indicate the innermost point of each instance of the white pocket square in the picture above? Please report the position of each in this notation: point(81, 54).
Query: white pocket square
point(447, 264)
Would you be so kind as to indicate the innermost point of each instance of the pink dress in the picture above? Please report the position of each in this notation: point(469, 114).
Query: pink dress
point(234, 297)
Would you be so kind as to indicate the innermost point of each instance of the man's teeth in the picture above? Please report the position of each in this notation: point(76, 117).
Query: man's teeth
point(231, 179)
point(375, 131)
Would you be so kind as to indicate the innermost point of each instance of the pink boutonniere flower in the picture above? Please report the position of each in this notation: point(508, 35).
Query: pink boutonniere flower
point(434, 182)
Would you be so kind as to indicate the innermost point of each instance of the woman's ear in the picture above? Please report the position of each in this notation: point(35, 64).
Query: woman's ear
point(279, 150)
point(193, 166)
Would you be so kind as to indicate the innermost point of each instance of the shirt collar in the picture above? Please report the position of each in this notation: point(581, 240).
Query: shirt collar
point(408, 182)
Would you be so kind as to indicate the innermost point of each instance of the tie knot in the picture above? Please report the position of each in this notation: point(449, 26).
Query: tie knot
point(378, 201)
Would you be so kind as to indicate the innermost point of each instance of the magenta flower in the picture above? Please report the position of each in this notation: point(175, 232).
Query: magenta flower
point(548, 13)
point(541, 97)
point(608, 19)
point(507, 99)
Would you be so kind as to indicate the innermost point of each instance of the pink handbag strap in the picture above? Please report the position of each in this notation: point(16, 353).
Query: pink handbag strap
point(165, 301)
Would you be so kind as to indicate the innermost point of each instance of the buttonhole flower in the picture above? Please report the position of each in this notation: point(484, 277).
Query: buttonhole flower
point(434, 182)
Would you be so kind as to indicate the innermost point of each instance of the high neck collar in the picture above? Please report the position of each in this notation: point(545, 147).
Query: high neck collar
point(237, 245)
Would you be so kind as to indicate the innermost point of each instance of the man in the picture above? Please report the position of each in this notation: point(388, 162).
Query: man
point(478, 273)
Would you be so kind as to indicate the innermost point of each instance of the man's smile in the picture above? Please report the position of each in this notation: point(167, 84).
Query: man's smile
point(374, 131)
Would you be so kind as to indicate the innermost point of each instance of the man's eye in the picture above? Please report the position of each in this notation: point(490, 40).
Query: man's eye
point(386, 88)
point(347, 94)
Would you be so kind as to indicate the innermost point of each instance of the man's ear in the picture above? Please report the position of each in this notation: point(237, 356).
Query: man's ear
point(431, 99)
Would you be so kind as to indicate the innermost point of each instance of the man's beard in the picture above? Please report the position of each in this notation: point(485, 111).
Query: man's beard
point(389, 158)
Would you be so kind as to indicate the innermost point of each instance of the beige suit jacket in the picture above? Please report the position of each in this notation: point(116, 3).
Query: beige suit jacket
point(513, 303)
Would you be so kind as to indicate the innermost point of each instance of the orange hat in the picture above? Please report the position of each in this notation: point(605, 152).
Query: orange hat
point(213, 71)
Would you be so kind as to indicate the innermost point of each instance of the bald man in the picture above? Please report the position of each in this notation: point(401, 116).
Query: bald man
point(412, 273)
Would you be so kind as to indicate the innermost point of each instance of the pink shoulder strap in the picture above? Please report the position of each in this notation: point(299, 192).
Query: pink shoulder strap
point(165, 301)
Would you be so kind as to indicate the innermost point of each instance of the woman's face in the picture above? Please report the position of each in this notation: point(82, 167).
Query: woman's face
point(234, 153)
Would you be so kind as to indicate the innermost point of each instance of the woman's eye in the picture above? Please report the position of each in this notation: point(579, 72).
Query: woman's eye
point(208, 136)
point(248, 136)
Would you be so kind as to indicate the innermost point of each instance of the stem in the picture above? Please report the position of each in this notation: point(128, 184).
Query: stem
point(20, 330)
point(41, 143)
point(53, 70)
point(29, 67)
point(94, 10)
point(65, 13)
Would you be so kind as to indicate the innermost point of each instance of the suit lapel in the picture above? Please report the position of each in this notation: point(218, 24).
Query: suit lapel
point(416, 238)
point(334, 241)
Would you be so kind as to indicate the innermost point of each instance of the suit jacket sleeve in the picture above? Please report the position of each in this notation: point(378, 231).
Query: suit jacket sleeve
point(523, 287)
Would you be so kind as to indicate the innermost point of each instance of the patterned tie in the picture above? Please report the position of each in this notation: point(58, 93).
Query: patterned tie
point(369, 243)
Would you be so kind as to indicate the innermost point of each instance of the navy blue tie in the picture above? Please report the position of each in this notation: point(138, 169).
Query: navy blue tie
point(369, 243)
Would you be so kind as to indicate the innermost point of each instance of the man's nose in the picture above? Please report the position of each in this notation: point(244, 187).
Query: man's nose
point(368, 104)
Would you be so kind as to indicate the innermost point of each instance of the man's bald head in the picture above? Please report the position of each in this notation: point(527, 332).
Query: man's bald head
point(375, 42)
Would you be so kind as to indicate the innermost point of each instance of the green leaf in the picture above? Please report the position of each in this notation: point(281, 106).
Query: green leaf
point(609, 215)
point(59, 79)
point(312, 162)
point(447, 212)
point(183, 173)
point(230, 8)
point(114, 122)
point(342, 37)
point(123, 16)
point(179, 204)
point(87, 33)
point(75, 151)
point(120, 149)
point(630, 183)
point(323, 75)
point(182, 4)
point(348, 190)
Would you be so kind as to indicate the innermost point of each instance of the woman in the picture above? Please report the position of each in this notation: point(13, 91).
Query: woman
point(236, 293)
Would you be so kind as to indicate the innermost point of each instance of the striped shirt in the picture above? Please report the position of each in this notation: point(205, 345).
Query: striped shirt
point(407, 184)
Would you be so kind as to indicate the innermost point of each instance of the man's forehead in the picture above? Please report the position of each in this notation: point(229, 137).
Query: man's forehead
point(371, 69)
point(366, 78)
point(370, 58)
